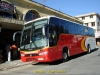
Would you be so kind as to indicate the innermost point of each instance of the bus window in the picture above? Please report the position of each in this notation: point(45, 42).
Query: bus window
point(52, 36)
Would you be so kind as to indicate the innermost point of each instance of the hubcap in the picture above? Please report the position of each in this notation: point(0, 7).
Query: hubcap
point(89, 49)
point(65, 55)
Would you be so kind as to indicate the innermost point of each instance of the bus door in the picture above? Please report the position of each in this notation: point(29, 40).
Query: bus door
point(53, 41)
point(16, 39)
point(0, 28)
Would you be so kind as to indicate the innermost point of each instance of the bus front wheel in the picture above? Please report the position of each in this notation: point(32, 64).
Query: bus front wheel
point(65, 56)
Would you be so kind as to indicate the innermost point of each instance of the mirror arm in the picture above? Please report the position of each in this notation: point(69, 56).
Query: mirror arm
point(43, 30)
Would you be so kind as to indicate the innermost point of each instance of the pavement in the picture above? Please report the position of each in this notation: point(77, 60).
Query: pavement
point(13, 64)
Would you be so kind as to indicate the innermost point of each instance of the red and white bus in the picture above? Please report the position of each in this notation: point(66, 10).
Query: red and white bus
point(51, 38)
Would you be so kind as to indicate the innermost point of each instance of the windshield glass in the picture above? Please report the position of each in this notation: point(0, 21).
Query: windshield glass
point(32, 37)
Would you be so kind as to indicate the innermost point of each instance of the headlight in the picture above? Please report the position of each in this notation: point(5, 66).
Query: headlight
point(23, 55)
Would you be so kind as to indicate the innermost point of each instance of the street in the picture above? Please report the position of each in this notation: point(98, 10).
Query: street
point(83, 64)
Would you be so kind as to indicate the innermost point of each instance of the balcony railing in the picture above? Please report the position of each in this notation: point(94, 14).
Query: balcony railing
point(11, 20)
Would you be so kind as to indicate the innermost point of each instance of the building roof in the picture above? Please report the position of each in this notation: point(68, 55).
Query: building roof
point(51, 9)
point(88, 14)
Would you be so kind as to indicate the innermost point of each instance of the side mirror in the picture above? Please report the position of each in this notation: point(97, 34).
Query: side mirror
point(43, 30)
point(18, 49)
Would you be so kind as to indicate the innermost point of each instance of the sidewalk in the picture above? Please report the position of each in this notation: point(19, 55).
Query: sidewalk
point(13, 64)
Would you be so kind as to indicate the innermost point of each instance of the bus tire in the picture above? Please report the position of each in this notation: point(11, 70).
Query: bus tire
point(88, 49)
point(65, 56)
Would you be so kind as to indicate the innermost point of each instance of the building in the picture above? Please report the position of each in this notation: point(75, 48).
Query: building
point(28, 10)
point(14, 13)
point(92, 20)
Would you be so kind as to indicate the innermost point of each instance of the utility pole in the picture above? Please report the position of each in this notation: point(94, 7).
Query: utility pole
point(43, 1)
point(59, 8)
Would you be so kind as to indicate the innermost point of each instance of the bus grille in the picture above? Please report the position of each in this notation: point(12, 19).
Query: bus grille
point(30, 55)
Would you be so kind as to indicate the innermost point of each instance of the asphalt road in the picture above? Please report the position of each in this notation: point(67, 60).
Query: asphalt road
point(83, 64)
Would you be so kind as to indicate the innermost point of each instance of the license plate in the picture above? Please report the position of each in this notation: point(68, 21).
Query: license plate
point(31, 59)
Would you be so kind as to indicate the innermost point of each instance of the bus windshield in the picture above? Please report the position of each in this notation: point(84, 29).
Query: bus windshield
point(32, 37)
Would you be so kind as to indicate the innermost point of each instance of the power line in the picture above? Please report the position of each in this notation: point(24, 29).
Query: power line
point(44, 0)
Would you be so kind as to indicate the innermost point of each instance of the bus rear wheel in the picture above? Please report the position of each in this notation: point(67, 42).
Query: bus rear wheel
point(88, 49)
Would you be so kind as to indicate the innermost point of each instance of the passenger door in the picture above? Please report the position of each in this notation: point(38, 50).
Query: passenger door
point(53, 42)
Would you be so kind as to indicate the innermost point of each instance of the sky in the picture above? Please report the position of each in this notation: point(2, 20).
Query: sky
point(73, 7)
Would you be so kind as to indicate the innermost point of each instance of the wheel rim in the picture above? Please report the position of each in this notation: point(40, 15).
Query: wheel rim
point(89, 49)
point(65, 55)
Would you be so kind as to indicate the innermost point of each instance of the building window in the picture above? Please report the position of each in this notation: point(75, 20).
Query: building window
point(83, 18)
point(86, 24)
point(91, 16)
point(92, 23)
point(30, 15)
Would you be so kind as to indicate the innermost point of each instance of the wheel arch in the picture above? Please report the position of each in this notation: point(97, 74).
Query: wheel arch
point(66, 49)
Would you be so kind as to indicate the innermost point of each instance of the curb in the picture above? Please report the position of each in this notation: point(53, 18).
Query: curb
point(17, 65)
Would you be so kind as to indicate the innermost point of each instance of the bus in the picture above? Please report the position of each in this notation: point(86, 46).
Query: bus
point(51, 38)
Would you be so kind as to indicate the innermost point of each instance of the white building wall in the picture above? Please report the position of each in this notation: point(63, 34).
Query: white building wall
point(98, 23)
point(88, 19)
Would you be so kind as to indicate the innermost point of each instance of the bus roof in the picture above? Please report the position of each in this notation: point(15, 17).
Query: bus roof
point(47, 17)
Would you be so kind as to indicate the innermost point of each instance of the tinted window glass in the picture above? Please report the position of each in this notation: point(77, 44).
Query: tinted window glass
point(70, 27)
point(54, 21)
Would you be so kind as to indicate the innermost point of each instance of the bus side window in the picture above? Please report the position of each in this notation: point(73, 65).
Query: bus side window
point(75, 28)
point(52, 36)
point(65, 27)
